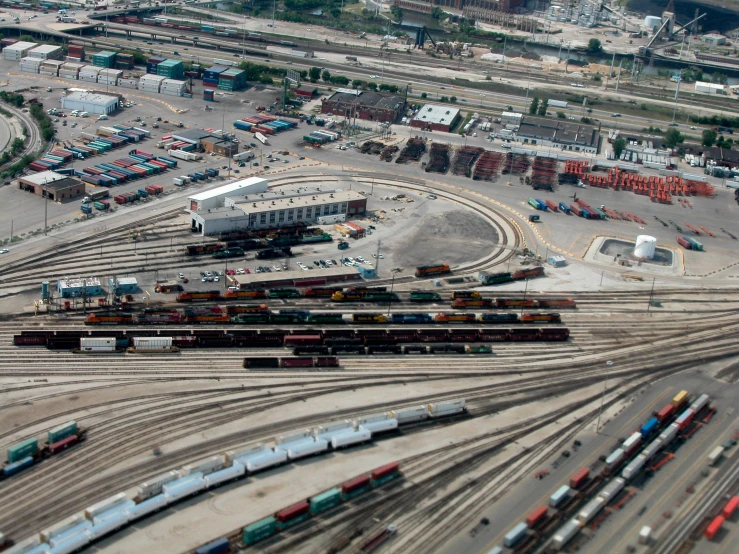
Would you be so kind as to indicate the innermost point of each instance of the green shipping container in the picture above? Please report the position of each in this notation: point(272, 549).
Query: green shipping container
point(22, 450)
point(325, 500)
point(260, 530)
point(534, 204)
point(62, 431)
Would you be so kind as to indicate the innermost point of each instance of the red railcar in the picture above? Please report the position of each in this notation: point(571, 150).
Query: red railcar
point(356, 483)
point(579, 478)
point(327, 361)
point(665, 413)
point(63, 444)
point(21, 340)
point(296, 510)
point(385, 470)
point(184, 341)
point(296, 362)
point(561, 333)
point(302, 340)
point(494, 335)
point(536, 516)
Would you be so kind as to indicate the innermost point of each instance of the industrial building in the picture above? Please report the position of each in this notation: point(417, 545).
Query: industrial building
point(276, 209)
point(76, 288)
point(566, 135)
point(714, 39)
point(372, 106)
point(715, 155)
point(436, 118)
point(123, 285)
point(219, 146)
point(709, 88)
point(427, 6)
point(52, 185)
point(215, 198)
point(90, 102)
point(306, 92)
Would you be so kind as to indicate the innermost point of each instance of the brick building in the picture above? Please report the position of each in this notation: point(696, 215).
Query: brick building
point(372, 106)
point(433, 117)
point(52, 185)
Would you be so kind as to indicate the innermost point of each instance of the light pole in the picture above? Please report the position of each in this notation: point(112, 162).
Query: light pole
point(609, 363)
point(392, 285)
point(677, 94)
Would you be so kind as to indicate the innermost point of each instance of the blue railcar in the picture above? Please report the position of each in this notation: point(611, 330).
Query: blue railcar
point(649, 427)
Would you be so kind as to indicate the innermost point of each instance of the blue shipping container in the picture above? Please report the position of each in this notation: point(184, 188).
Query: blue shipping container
point(16, 467)
point(649, 427)
point(543, 205)
point(514, 536)
point(218, 546)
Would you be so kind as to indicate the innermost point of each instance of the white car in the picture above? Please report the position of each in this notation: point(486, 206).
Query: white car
point(373, 76)
point(240, 271)
point(181, 275)
point(216, 279)
point(350, 259)
point(4, 251)
point(304, 268)
point(360, 259)
point(276, 268)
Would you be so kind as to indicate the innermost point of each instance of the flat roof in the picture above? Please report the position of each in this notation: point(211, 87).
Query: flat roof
point(44, 177)
point(92, 97)
point(433, 113)
point(709, 85)
point(21, 46)
point(215, 214)
point(125, 280)
point(256, 278)
point(62, 184)
point(308, 200)
point(74, 283)
point(231, 187)
point(192, 134)
point(556, 130)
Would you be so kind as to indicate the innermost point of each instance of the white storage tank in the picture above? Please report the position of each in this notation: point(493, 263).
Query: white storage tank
point(152, 343)
point(97, 344)
point(651, 21)
point(645, 247)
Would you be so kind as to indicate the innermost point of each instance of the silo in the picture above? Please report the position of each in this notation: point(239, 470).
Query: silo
point(645, 247)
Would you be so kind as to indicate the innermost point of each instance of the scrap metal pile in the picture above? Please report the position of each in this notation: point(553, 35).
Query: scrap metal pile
point(516, 164)
point(388, 152)
point(543, 173)
point(412, 152)
point(465, 159)
point(372, 147)
point(439, 162)
point(487, 167)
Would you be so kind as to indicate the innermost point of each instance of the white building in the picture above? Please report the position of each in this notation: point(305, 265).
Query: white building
point(709, 88)
point(277, 209)
point(215, 198)
point(90, 102)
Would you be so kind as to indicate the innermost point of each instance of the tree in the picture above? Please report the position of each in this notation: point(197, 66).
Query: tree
point(372, 85)
point(543, 105)
point(453, 99)
point(594, 46)
point(673, 138)
point(719, 78)
point(618, 146)
point(314, 74)
point(335, 12)
point(534, 106)
point(709, 137)
point(326, 76)
point(436, 13)
point(397, 13)
point(424, 95)
point(356, 83)
point(338, 79)
point(561, 115)
point(444, 99)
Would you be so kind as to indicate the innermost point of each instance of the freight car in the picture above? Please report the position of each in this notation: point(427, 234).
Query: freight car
point(212, 295)
point(29, 452)
point(109, 318)
point(540, 318)
point(431, 270)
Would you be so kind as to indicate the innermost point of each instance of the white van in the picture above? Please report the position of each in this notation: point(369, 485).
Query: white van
point(84, 114)
point(102, 117)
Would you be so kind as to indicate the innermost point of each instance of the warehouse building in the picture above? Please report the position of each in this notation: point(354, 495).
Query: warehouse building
point(433, 117)
point(709, 88)
point(372, 106)
point(307, 92)
point(566, 135)
point(277, 209)
point(90, 102)
point(52, 185)
point(215, 198)
point(76, 288)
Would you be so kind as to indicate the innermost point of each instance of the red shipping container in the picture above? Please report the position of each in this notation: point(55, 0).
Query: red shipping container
point(387, 469)
point(120, 199)
point(730, 507)
point(296, 510)
point(536, 516)
point(579, 478)
point(295, 340)
point(714, 527)
point(354, 484)
point(63, 444)
point(665, 412)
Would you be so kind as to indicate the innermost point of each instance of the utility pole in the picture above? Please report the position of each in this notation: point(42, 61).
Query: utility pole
point(377, 265)
point(618, 77)
point(392, 285)
point(651, 293)
point(609, 363)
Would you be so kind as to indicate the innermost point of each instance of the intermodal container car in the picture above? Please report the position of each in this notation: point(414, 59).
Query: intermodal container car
point(384, 473)
point(355, 486)
point(324, 501)
point(293, 514)
point(260, 530)
point(515, 535)
point(218, 546)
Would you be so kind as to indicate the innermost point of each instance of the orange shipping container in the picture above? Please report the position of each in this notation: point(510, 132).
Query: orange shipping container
point(714, 527)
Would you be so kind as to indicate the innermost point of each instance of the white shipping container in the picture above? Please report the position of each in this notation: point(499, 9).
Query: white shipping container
point(652, 448)
point(268, 459)
point(49, 72)
point(565, 534)
point(108, 525)
point(330, 429)
point(615, 457)
point(294, 437)
point(154, 486)
point(378, 425)
point(307, 448)
point(61, 527)
point(632, 469)
point(612, 489)
point(408, 415)
point(147, 507)
point(29, 69)
point(232, 455)
point(644, 534)
point(560, 494)
point(206, 466)
point(669, 434)
point(348, 438)
point(632, 442)
point(105, 505)
point(227, 474)
point(700, 403)
point(113, 512)
point(152, 343)
point(97, 341)
point(447, 407)
point(715, 455)
point(590, 510)
point(172, 92)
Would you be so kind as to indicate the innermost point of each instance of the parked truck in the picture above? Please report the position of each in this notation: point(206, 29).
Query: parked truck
point(182, 155)
point(243, 156)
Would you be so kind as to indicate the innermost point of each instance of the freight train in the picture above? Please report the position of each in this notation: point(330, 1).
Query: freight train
point(507, 277)
point(162, 491)
point(27, 453)
point(655, 436)
point(215, 314)
point(276, 338)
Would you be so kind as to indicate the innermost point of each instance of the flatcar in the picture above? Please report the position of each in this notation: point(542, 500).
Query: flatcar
point(430, 270)
point(454, 318)
point(540, 318)
point(112, 318)
point(194, 296)
point(422, 296)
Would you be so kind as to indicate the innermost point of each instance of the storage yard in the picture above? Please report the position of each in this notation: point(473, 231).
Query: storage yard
point(247, 331)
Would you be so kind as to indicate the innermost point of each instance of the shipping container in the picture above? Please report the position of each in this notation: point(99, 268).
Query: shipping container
point(590, 510)
point(579, 478)
point(669, 434)
point(560, 495)
point(665, 413)
point(700, 403)
point(680, 399)
point(61, 432)
point(260, 530)
point(730, 507)
point(536, 516)
point(516, 535)
point(615, 458)
point(23, 449)
point(293, 514)
point(325, 500)
point(355, 486)
point(612, 489)
point(649, 427)
point(714, 527)
point(565, 534)
point(634, 467)
point(715, 455)
point(218, 546)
